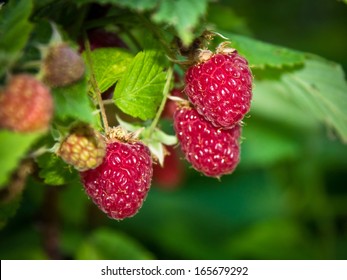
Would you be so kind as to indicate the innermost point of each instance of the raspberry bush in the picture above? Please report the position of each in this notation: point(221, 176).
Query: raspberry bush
point(103, 101)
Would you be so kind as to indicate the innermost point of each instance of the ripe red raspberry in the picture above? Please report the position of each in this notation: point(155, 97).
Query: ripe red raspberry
point(170, 175)
point(220, 87)
point(120, 184)
point(26, 105)
point(84, 148)
point(62, 66)
point(212, 151)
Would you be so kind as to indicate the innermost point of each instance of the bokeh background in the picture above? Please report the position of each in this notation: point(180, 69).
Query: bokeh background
point(286, 200)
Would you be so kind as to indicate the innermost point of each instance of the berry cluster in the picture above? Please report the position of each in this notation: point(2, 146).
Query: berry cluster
point(219, 86)
point(116, 168)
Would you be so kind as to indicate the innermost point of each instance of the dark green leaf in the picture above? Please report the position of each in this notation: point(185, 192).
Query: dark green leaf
point(108, 244)
point(14, 31)
point(13, 147)
point(73, 102)
point(54, 171)
point(183, 15)
point(140, 91)
point(139, 5)
point(109, 65)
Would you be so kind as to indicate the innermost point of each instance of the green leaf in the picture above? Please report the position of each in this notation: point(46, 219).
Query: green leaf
point(109, 65)
point(107, 244)
point(54, 171)
point(13, 147)
point(183, 15)
point(139, 93)
point(14, 31)
point(319, 89)
point(139, 5)
point(260, 54)
point(73, 102)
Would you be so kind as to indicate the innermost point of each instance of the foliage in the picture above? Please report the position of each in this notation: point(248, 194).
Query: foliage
point(285, 200)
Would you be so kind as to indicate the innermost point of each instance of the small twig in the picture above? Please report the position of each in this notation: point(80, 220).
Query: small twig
point(95, 84)
point(163, 102)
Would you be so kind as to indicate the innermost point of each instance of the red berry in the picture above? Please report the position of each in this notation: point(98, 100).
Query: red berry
point(62, 66)
point(221, 88)
point(210, 150)
point(120, 184)
point(170, 175)
point(26, 105)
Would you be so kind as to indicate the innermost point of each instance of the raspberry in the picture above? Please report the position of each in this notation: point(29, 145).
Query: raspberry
point(212, 151)
point(220, 87)
point(26, 105)
point(84, 148)
point(120, 184)
point(170, 175)
point(62, 66)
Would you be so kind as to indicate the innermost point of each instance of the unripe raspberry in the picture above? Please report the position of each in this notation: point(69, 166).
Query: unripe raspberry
point(26, 105)
point(212, 151)
point(84, 148)
point(220, 87)
point(120, 184)
point(62, 66)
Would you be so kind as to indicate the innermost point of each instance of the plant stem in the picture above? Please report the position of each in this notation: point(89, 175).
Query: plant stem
point(163, 102)
point(95, 85)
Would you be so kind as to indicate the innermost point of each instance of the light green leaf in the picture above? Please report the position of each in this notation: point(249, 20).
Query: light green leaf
point(108, 244)
point(260, 54)
point(183, 15)
point(14, 31)
point(139, 93)
point(109, 65)
point(319, 89)
point(73, 102)
point(54, 171)
point(13, 147)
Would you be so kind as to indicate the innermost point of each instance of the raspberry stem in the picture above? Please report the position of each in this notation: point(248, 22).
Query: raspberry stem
point(95, 84)
point(163, 102)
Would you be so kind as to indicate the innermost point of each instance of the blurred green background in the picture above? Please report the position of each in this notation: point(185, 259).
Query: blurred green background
point(286, 200)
